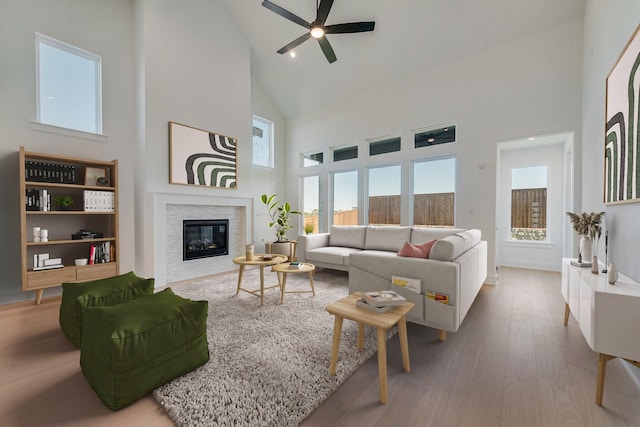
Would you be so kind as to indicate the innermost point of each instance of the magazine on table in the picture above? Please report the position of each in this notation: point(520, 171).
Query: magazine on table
point(383, 298)
point(362, 304)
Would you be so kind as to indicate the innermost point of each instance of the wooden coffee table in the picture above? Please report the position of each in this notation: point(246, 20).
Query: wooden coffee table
point(283, 269)
point(346, 309)
point(262, 263)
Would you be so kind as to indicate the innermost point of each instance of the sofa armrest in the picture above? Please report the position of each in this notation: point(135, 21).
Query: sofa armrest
point(310, 241)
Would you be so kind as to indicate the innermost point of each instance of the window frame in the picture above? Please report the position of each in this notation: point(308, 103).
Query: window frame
point(271, 125)
point(412, 193)
point(79, 52)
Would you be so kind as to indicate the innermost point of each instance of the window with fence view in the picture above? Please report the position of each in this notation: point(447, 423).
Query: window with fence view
point(434, 183)
point(529, 203)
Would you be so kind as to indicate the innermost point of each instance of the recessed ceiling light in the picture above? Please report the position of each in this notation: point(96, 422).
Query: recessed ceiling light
point(531, 139)
point(292, 54)
point(431, 140)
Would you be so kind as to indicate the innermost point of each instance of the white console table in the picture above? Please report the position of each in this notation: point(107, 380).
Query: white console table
point(608, 315)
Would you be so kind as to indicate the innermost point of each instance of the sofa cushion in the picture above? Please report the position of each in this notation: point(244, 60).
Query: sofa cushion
point(387, 238)
point(451, 247)
point(416, 251)
point(132, 348)
point(426, 234)
point(330, 255)
point(347, 236)
point(102, 292)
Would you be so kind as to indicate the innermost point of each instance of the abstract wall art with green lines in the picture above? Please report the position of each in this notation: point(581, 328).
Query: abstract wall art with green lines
point(622, 136)
point(200, 157)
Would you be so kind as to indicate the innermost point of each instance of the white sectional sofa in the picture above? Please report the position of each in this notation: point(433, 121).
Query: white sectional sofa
point(456, 266)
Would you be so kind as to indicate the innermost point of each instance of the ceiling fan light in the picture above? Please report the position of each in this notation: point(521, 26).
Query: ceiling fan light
point(317, 32)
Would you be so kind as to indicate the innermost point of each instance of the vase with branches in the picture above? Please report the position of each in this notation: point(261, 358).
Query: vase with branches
point(587, 225)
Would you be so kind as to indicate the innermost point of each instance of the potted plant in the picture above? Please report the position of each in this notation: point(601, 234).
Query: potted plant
point(309, 227)
point(587, 225)
point(63, 202)
point(279, 213)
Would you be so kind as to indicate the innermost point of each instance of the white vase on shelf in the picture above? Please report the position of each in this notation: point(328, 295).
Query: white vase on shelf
point(585, 248)
point(612, 274)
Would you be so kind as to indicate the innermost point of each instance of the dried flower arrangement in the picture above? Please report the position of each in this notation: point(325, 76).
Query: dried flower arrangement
point(587, 224)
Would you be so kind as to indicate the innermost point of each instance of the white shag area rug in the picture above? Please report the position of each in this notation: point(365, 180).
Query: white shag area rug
point(269, 365)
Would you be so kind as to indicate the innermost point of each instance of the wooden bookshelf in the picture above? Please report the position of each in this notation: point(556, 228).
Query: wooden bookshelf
point(61, 224)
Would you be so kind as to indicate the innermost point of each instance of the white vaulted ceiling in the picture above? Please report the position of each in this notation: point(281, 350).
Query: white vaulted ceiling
point(410, 36)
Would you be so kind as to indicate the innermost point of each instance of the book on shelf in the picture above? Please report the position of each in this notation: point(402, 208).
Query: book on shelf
point(443, 298)
point(578, 263)
point(99, 201)
point(49, 172)
point(365, 305)
point(48, 267)
point(37, 200)
point(383, 298)
point(102, 253)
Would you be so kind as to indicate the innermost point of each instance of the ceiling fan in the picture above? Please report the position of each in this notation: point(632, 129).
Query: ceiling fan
point(317, 29)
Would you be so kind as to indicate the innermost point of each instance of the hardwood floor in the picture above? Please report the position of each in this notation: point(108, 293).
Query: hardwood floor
point(512, 363)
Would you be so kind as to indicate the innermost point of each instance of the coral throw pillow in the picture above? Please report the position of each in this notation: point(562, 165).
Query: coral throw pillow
point(416, 251)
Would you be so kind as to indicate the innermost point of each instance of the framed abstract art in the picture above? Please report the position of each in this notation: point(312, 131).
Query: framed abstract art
point(622, 136)
point(200, 157)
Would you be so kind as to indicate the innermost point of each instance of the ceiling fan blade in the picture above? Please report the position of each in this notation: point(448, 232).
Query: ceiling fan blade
point(294, 43)
point(352, 27)
point(285, 14)
point(324, 9)
point(327, 49)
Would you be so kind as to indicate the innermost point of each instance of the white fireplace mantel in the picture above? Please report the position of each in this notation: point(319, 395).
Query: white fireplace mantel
point(167, 268)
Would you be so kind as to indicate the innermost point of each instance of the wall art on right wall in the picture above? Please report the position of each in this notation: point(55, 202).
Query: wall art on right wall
point(622, 136)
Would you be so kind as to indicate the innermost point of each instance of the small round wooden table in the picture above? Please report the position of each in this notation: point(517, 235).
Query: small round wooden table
point(284, 269)
point(262, 263)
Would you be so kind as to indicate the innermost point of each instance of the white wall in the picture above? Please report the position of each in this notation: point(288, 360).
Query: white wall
point(195, 71)
point(267, 180)
point(530, 86)
point(104, 28)
point(608, 26)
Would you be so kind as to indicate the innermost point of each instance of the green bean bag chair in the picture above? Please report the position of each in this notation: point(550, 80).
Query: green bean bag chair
point(132, 348)
point(109, 291)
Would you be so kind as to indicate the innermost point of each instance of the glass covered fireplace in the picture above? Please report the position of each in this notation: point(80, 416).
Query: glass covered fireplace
point(203, 238)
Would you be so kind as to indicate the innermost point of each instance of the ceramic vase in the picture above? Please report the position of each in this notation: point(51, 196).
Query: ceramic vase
point(612, 274)
point(585, 248)
point(249, 252)
point(594, 265)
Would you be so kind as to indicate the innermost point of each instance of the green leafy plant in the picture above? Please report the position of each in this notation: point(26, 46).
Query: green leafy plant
point(63, 202)
point(308, 228)
point(280, 214)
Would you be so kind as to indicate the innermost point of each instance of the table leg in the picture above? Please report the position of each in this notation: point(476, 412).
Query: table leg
point(337, 331)
point(262, 285)
point(382, 364)
point(313, 289)
point(284, 285)
point(404, 344)
point(567, 310)
point(240, 278)
point(602, 370)
point(360, 336)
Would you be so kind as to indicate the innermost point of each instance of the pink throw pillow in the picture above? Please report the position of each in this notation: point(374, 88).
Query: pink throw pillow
point(416, 251)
